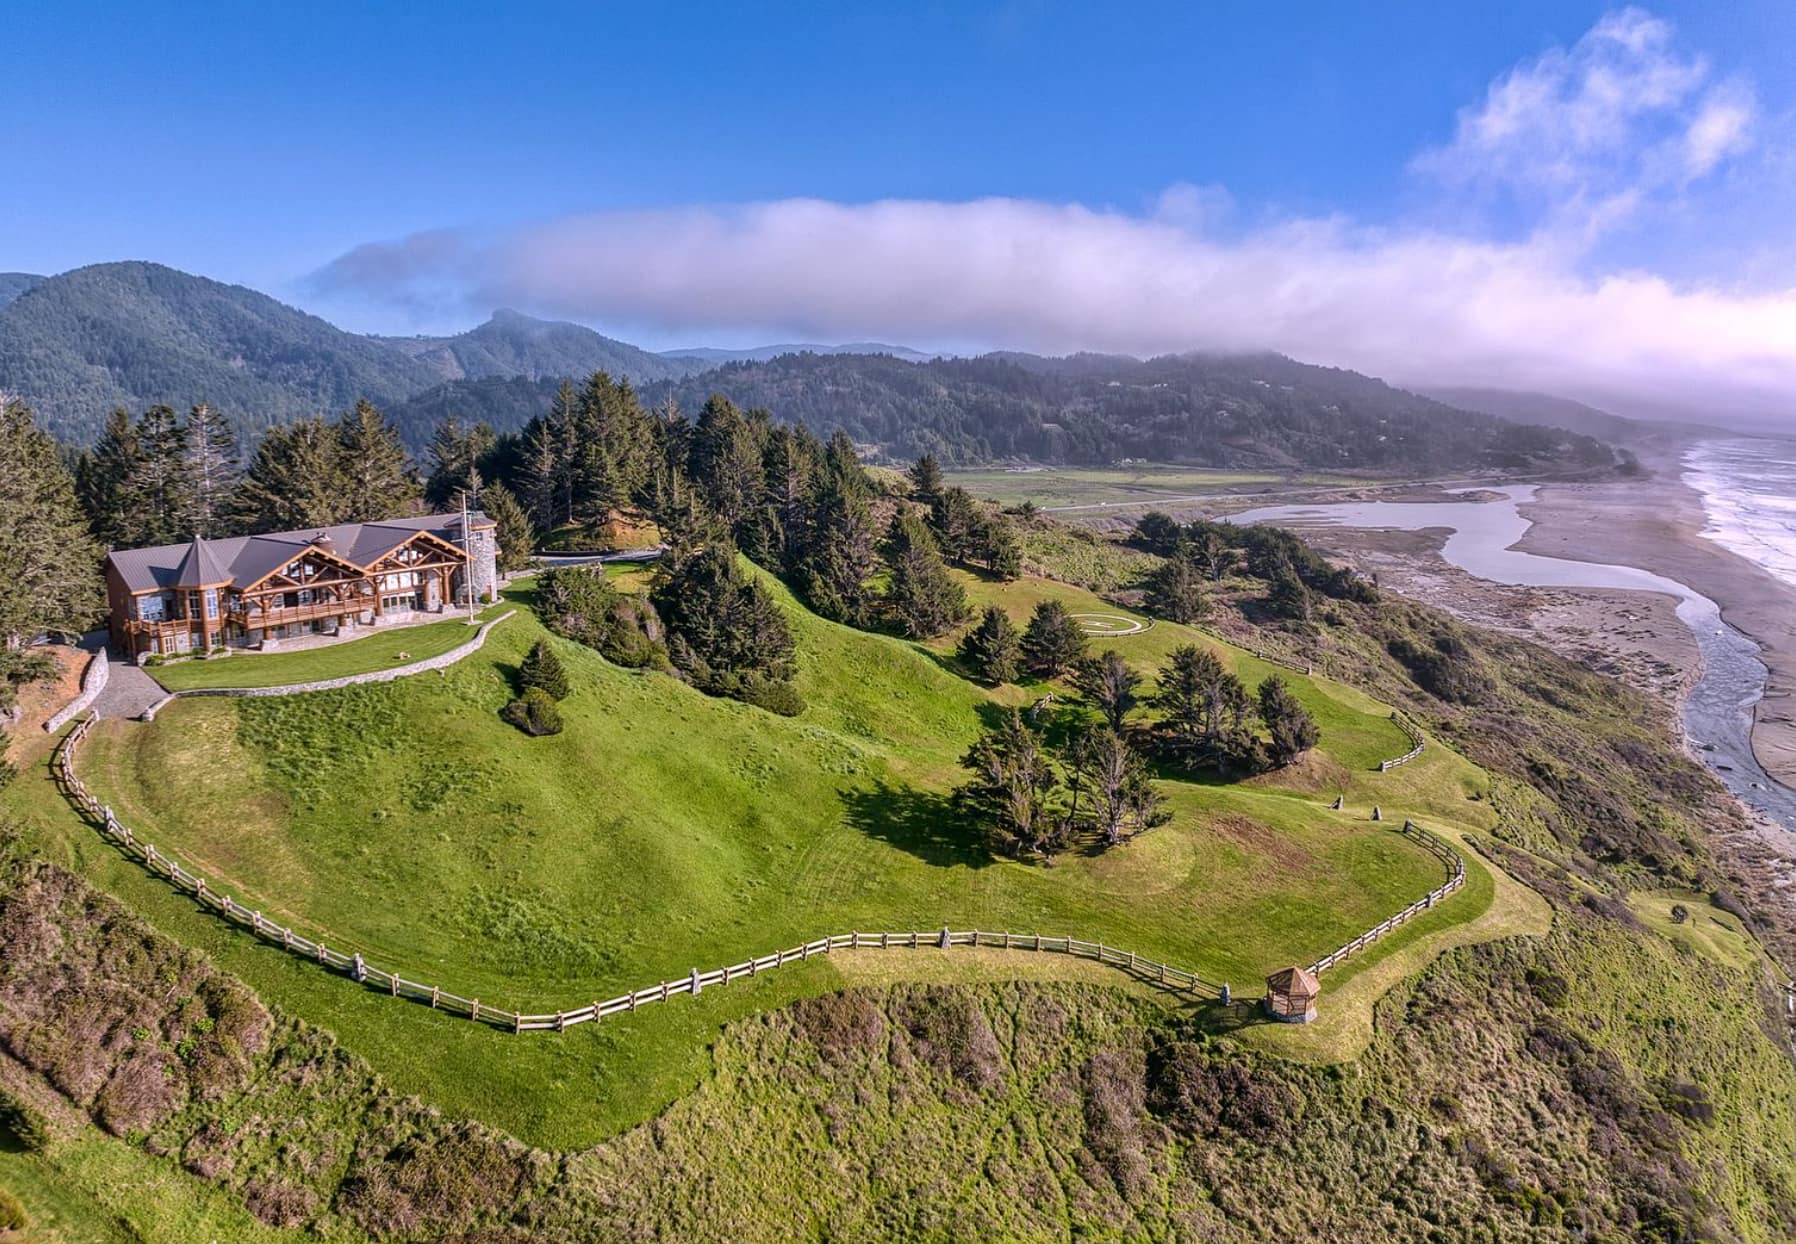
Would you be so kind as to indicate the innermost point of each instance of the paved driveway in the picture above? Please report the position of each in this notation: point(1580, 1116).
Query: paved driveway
point(128, 692)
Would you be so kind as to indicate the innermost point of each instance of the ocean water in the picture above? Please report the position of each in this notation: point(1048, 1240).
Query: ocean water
point(1748, 487)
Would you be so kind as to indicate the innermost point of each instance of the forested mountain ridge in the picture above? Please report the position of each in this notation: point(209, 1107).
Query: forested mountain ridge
point(1213, 410)
point(12, 284)
point(511, 345)
point(135, 334)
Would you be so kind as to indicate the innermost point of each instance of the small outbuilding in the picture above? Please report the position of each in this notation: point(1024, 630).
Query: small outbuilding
point(1291, 995)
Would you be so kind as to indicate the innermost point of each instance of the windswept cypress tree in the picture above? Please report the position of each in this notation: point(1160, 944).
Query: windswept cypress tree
point(1109, 684)
point(1292, 728)
point(1175, 589)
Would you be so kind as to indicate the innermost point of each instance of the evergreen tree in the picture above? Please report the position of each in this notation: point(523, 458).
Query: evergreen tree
point(1213, 553)
point(1287, 596)
point(1000, 549)
point(841, 550)
point(790, 463)
point(1123, 799)
point(49, 564)
point(724, 630)
point(213, 472)
point(922, 595)
point(295, 479)
point(376, 480)
point(105, 479)
point(516, 535)
point(612, 449)
point(157, 491)
point(926, 479)
point(1292, 728)
point(1175, 589)
point(534, 713)
point(1013, 792)
point(1110, 685)
point(1159, 532)
point(992, 648)
point(1052, 642)
point(542, 668)
point(726, 463)
point(956, 523)
point(1205, 712)
point(455, 457)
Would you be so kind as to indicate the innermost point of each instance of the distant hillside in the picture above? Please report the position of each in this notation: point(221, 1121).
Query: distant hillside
point(12, 284)
point(1260, 410)
point(505, 402)
point(1543, 408)
point(515, 345)
point(713, 357)
point(134, 334)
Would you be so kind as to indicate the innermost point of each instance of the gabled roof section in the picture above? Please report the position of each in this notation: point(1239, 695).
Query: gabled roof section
point(201, 567)
point(243, 560)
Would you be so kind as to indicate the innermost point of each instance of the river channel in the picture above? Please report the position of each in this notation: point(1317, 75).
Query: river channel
point(1717, 714)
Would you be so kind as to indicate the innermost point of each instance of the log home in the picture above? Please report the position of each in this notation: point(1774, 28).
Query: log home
point(255, 591)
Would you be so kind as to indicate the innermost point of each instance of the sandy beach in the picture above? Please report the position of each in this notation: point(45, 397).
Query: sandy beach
point(1656, 524)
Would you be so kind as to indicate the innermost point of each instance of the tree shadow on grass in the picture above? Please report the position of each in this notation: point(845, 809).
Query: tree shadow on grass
point(922, 823)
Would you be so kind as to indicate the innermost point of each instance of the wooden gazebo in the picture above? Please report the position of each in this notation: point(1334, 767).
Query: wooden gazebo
point(1291, 995)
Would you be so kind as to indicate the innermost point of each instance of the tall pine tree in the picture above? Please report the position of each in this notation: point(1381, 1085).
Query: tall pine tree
point(923, 596)
point(49, 563)
point(377, 483)
point(295, 479)
point(104, 480)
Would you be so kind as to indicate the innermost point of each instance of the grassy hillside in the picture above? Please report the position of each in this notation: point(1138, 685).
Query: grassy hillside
point(1610, 1072)
point(666, 830)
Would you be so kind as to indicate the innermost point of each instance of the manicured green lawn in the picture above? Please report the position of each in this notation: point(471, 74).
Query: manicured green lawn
point(666, 830)
point(353, 656)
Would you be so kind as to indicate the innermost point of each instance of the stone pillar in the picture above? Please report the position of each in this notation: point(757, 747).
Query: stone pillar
point(1377, 813)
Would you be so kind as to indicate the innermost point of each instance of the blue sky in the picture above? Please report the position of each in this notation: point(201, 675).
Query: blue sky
point(261, 143)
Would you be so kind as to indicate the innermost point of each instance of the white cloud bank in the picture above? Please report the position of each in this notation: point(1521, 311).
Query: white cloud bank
point(1610, 130)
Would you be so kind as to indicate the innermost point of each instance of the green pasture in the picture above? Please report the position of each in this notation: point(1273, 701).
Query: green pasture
point(665, 830)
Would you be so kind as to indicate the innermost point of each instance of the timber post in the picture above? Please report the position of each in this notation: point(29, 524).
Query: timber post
point(944, 941)
point(696, 986)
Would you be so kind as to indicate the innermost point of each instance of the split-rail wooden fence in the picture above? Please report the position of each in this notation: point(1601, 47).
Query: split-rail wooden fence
point(1455, 878)
point(355, 965)
point(1410, 732)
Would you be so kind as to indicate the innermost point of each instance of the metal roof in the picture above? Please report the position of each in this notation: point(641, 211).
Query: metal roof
point(241, 560)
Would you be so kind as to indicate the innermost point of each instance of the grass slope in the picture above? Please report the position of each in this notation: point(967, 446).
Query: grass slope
point(356, 656)
point(665, 830)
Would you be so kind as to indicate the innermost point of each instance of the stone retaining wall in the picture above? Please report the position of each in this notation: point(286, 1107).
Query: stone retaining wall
point(93, 681)
point(438, 662)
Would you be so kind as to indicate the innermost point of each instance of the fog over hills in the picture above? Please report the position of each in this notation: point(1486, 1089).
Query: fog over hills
point(136, 334)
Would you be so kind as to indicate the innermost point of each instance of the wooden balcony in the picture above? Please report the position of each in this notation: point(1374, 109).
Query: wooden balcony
point(257, 619)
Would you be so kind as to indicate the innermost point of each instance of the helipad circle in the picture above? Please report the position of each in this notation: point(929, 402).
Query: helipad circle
point(1109, 625)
